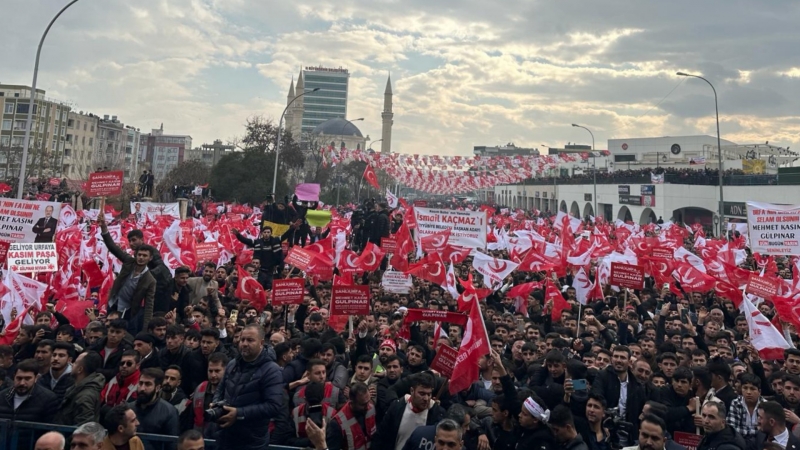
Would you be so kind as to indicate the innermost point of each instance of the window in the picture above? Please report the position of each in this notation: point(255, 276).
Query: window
point(7, 124)
point(91, 141)
point(83, 140)
point(54, 145)
point(9, 108)
point(71, 123)
point(78, 124)
point(84, 127)
point(69, 138)
point(19, 124)
point(92, 130)
point(16, 141)
point(22, 108)
point(67, 152)
point(5, 141)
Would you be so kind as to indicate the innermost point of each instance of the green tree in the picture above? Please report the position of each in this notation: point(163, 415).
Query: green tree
point(246, 175)
point(187, 173)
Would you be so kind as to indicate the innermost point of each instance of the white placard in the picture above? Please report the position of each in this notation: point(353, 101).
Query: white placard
point(468, 227)
point(151, 210)
point(28, 221)
point(396, 282)
point(774, 229)
point(33, 257)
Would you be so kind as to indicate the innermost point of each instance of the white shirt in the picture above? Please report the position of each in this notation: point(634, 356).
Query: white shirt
point(18, 399)
point(408, 424)
point(623, 397)
point(783, 438)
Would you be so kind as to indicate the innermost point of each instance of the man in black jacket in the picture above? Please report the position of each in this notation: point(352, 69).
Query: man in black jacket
point(381, 228)
point(613, 379)
point(26, 401)
point(383, 399)
point(58, 379)
point(718, 435)
point(266, 249)
point(112, 347)
point(174, 352)
point(156, 415)
point(679, 401)
point(406, 414)
point(772, 428)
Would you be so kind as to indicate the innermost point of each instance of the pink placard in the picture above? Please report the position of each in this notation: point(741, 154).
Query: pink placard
point(307, 192)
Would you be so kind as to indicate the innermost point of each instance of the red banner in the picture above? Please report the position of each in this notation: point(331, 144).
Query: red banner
point(627, 276)
point(445, 360)
point(661, 253)
point(389, 245)
point(54, 181)
point(689, 440)
point(349, 300)
point(288, 292)
point(431, 315)
point(4, 252)
point(421, 203)
point(207, 251)
point(300, 258)
point(763, 287)
point(104, 184)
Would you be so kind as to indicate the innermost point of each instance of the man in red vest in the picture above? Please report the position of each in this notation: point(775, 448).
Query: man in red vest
point(204, 394)
point(353, 427)
point(316, 372)
point(122, 388)
point(290, 429)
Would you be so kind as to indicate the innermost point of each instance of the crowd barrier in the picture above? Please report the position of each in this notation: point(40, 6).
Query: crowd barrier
point(22, 436)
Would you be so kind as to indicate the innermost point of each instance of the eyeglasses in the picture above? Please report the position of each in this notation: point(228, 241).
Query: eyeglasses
point(127, 363)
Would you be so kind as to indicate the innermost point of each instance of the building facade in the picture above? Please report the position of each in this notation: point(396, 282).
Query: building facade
point(48, 132)
point(79, 145)
point(163, 152)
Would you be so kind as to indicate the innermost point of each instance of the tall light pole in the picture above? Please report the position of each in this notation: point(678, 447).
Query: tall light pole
point(341, 133)
point(373, 142)
point(719, 152)
point(594, 168)
point(278, 139)
point(29, 121)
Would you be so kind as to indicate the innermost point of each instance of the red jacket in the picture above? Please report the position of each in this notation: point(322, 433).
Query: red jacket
point(119, 391)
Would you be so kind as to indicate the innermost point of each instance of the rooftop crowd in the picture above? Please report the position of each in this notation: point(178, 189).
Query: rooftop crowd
point(704, 176)
point(180, 353)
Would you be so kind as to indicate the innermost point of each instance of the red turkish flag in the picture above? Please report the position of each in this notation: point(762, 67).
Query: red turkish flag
point(455, 254)
point(474, 346)
point(371, 257)
point(249, 289)
point(371, 178)
point(559, 304)
point(12, 330)
point(691, 279)
point(436, 242)
point(430, 268)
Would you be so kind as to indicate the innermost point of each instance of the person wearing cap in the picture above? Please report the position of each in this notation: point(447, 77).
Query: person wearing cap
point(387, 348)
point(143, 343)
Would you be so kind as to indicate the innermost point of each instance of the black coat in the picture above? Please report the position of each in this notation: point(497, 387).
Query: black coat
point(607, 384)
point(111, 366)
point(727, 439)
point(680, 417)
point(386, 437)
point(40, 406)
point(65, 382)
point(255, 389)
point(158, 418)
point(380, 227)
point(758, 442)
point(268, 251)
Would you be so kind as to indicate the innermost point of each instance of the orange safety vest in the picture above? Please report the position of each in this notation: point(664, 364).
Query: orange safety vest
point(355, 439)
point(299, 417)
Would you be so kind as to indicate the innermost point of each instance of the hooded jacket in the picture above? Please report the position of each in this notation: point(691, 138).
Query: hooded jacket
point(255, 389)
point(62, 384)
point(81, 403)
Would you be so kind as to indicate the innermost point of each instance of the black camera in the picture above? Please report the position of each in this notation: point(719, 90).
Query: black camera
point(215, 412)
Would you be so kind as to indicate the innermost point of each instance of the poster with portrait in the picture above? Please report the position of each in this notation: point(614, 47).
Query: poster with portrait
point(28, 221)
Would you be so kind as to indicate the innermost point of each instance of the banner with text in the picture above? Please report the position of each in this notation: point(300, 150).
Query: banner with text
point(207, 251)
point(396, 282)
point(28, 221)
point(445, 360)
point(774, 229)
point(468, 227)
point(104, 184)
point(432, 315)
point(349, 300)
point(140, 210)
point(764, 287)
point(626, 276)
point(288, 292)
point(34, 257)
point(299, 258)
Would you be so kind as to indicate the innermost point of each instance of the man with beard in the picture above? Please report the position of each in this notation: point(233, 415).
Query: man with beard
point(174, 352)
point(143, 344)
point(155, 415)
point(652, 434)
point(416, 360)
point(204, 395)
point(171, 388)
point(718, 436)
point(58, 379)
point(26, 400)
point(618, 385)
point(121, 423)
point(681, 405)
point(384, 398)
point(336, 371)
point(388, 347)
point(122, 388)
point(315, 373)
point(772, 428)
point(790, 397)
point(203, 285)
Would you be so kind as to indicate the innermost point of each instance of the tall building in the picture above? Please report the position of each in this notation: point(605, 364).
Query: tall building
point(209, 154)
point(48, 132)
point(329, 102)
point(164, 152)
point(79, 145)
point(387, 118)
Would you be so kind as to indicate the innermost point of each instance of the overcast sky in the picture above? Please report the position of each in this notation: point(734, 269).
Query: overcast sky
point(465, 72)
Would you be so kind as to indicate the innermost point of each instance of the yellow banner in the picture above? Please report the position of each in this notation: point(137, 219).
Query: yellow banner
point(277, 229)
point(318, 218)
point(754, 166)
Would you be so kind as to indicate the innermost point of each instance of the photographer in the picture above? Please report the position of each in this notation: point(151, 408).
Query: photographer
point(249, 395)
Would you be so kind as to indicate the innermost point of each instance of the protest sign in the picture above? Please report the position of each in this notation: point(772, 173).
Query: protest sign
point(396, 282)
point(764, 287)
point(152, 210)
point(445, 360)
point(434, 315)
point(28, 221)
point(349, 300)
point(626, 276)
point(307, 192)
point(774, 229)
point(468, 228)
point(420, 203)
point(277, 228)
point(207, 251)
point(288, 292)
point(661, 253)
point(689, 440)
point(318, 218)
point(33, 257)
point(4, 252)
point(299, 258)
point(389, 245)
point(104, 184)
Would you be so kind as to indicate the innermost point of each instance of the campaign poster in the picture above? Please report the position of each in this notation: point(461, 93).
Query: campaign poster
point(151, 210)
point(349, 300)
point(626, 276)
point(396, 282)
point(32, 257)
point(468, 228)
point(445, 360)
point(289, 291)
point(207, 251)
point(774, 229)
point(104, 184)
point(28, 221)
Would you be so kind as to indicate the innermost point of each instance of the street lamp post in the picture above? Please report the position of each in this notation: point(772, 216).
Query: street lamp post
point(278, 139)
point(29, 121)
point(373, 142)
point(594, 168)
point(338, 183)
point(719, 152)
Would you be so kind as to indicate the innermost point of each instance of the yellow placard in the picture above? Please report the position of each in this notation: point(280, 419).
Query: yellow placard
point(277, 228)
point(318, 218)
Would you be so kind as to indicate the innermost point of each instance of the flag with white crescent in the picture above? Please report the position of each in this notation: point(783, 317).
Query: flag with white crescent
point(474, 346)
point(494, 270)
point(391, 199)
point(763, 335)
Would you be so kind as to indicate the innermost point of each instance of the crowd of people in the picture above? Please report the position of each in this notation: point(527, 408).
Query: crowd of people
point(177, 352)
point(671, 175)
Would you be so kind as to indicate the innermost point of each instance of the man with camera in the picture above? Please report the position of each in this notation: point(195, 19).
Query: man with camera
point(249, 395)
